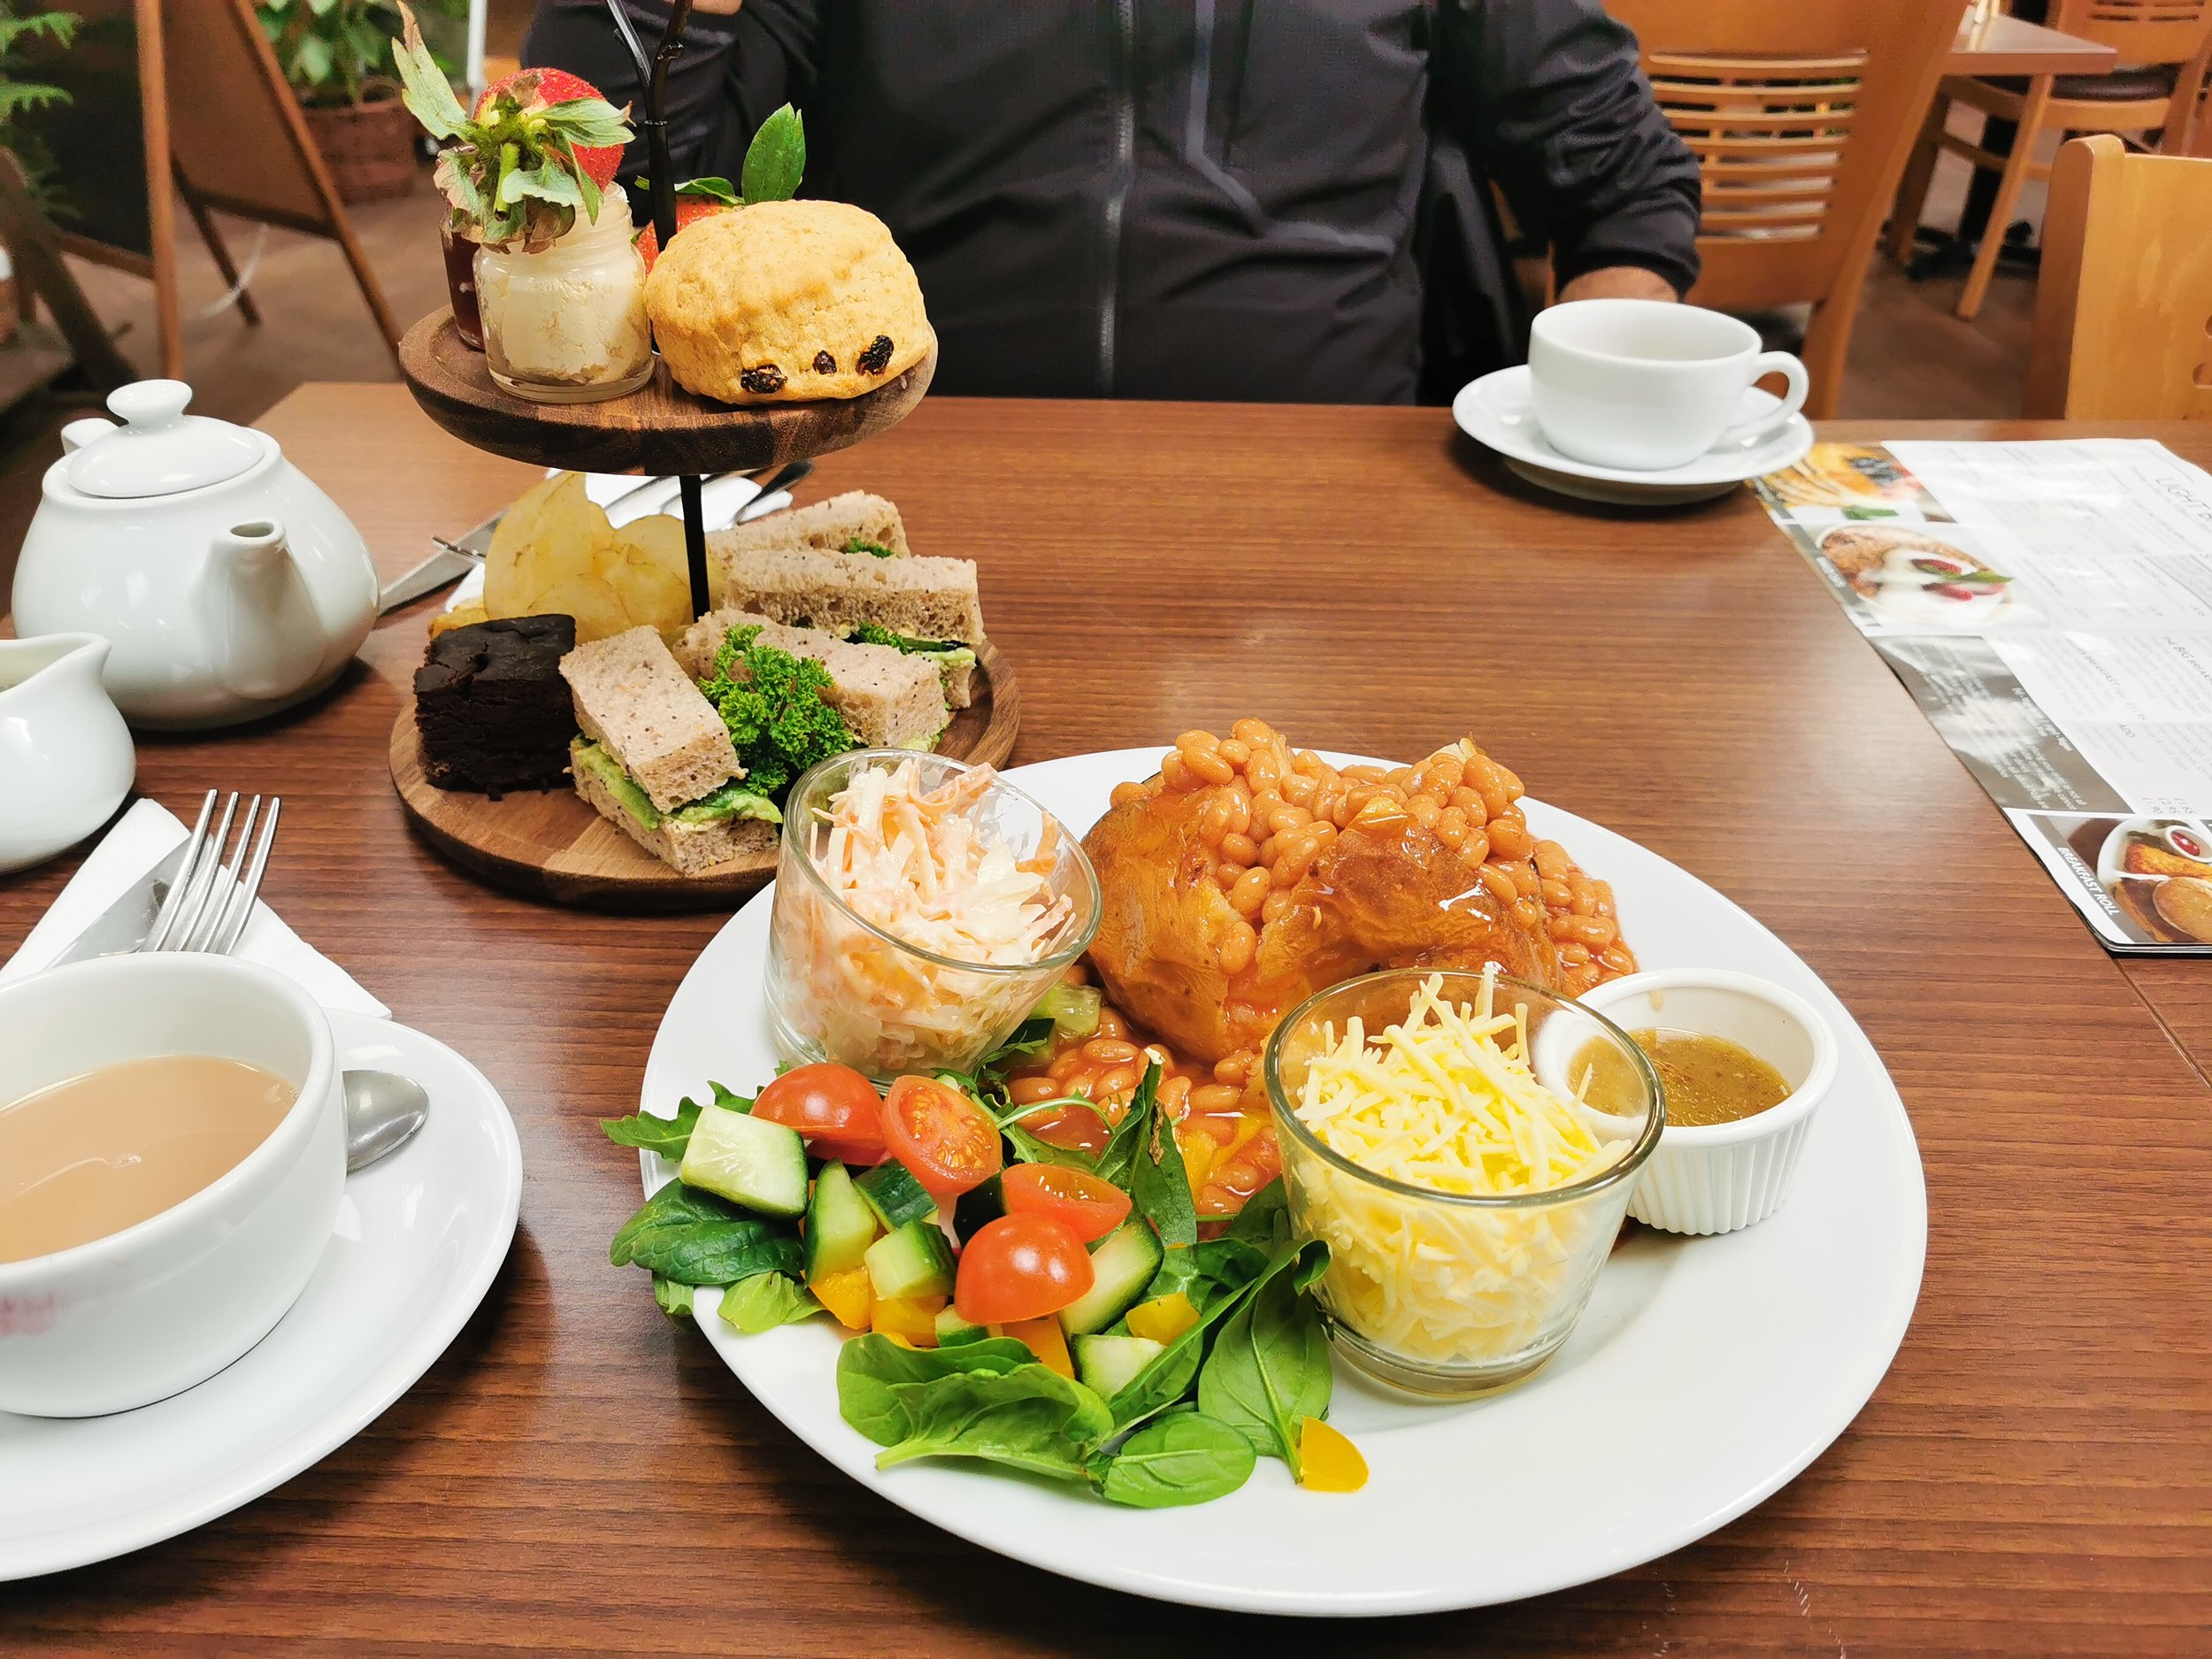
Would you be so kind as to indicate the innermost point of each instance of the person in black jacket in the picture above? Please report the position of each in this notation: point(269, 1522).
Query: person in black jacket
point(1269, 200)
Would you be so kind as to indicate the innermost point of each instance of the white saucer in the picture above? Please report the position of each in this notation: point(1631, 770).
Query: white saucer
point(418, 1237)
point(1494, 410)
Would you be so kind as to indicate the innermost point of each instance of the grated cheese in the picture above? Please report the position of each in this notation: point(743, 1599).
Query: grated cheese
point(1446, 1099)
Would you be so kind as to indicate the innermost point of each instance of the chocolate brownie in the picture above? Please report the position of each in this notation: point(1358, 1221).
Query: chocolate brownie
point(492, 708)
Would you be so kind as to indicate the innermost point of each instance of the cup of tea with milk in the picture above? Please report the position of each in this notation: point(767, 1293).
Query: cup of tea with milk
point(172, 1159)
point(1644, 386)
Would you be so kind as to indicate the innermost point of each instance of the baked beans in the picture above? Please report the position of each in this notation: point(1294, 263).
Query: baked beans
point(1270, 812)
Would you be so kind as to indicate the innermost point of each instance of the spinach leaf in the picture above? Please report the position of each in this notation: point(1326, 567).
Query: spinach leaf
point(1033, 1036)
point(698, 1239)
point(1185, 1458)
point(766, 1301)
point(1223, 1266)
point(1160, 1186)
point(1118, 1162)
point(1266, 1219)
point(976, 1400)
point(1269, 1369)
point(675, 1299)
point(1029, 1149)
point(1168, 1376)
point(668, 1136)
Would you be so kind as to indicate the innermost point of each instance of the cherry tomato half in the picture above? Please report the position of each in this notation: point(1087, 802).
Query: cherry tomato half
point(834, 1107)
point(1087, 1205)
point(949, 1142)
point(1020, 1267)
point(1077, 1128)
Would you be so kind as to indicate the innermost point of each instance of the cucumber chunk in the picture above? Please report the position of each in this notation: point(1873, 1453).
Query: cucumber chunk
point(840, 1226)
point(747, 1160)
point(1123, 1265)
point(1106, 1364)
point(979, 1206)
point(1072, 1009)
point(915, 1260)
point(894, 1193)
point(952, 1330)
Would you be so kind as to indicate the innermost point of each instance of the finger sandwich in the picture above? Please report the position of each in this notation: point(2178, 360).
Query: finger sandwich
point(855, 522)
point(889, 698)
point(656, 760)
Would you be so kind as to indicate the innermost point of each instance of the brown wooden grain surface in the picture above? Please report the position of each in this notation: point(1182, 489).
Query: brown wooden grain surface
point(2033, 1477)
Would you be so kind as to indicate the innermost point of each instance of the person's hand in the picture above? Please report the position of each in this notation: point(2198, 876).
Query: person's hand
point(1614, 283)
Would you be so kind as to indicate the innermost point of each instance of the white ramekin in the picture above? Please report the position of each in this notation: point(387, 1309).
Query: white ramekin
point(144, 1313)
point(1716, 1178)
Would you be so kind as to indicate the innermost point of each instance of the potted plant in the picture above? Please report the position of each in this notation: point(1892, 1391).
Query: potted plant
point(336, 57)
point(19, 97)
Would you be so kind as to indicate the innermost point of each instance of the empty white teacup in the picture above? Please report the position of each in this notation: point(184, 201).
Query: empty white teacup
point(1644, 386)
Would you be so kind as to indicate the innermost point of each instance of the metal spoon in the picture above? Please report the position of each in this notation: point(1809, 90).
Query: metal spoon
point(383, 1110)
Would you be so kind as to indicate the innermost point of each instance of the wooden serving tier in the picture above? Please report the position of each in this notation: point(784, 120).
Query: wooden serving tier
point(553, 846)
point(662, 430)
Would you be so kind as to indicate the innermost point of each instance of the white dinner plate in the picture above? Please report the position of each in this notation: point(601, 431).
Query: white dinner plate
point(1496, 411)
point(418, 1237)
point(1706, 1373)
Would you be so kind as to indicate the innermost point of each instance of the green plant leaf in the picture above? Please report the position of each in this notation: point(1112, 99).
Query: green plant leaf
point(586, 123)
point(1029, 1149)
point(974, 1400)
point(668, 1136)
point(776, 158)
point(1185, 1458)
point(310, 63)
point(698, 1238)
point(675, 1299)
point(1118, 1162)
point(766, 1301)
point(1168, 1377)
point(424, 89)
point(1160, 1187)
point(1266, 1219)
point(1269, 1369)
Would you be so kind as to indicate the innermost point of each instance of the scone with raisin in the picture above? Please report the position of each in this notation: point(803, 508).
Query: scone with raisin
point(787, 302)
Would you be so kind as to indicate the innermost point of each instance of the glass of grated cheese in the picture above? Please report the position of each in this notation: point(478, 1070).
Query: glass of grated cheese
point(1433, 1137)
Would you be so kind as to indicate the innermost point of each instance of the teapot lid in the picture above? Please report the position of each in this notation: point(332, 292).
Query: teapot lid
point(159, 449)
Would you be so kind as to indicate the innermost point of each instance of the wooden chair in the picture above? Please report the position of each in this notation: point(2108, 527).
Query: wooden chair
point(2123, 314)
point(1801, 115)
point(2162, 46)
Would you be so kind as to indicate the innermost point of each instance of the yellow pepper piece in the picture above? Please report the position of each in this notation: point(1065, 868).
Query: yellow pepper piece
point(847, 1295)
point(1198, 1150)
point(1043, 1337)
point(912, 1318)
point(1164, 1318)
point(1329, 1461)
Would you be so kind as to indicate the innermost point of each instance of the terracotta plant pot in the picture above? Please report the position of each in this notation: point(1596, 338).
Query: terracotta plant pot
point(369, 147)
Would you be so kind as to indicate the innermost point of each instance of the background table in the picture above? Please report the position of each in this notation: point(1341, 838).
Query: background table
point(2033, 1477)
point(2005, 45)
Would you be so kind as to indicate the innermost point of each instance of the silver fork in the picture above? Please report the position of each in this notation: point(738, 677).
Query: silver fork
point(207, 907)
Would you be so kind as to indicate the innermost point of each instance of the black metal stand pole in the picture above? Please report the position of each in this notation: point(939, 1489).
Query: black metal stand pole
point(653, 77)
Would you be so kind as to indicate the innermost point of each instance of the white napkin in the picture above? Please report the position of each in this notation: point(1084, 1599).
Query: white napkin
point(140, 839)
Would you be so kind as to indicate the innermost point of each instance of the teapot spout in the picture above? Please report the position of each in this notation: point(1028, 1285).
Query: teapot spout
point(263, 635)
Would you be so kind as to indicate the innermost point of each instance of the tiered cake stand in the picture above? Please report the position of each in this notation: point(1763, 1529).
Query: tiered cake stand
point(553, 846)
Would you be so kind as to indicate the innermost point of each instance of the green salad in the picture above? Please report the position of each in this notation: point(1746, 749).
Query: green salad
point(1007, 1298)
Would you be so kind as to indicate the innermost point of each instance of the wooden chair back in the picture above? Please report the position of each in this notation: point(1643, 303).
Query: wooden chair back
point(2124, 311)
point(2141, 31)
point(1802, 116)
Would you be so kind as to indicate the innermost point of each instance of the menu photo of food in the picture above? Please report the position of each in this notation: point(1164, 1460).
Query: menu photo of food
point(1856, 479)
point(1911, 576)
point(2149, 880)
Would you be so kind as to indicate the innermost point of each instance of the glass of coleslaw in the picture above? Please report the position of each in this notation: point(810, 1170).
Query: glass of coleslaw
point(1433, 1138)
point(923, 907)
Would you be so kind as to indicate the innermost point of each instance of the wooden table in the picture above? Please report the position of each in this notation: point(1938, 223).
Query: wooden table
point(2006, 46)
point(2035, 1474)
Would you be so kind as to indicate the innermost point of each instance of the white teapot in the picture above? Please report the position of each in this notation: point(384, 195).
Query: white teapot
point(228, 585)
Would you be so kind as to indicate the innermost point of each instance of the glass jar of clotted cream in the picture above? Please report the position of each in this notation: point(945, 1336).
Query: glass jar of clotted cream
point(567, 324)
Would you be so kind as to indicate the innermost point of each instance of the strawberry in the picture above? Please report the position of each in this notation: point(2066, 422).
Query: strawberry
point(537, 89)
point(697, 199)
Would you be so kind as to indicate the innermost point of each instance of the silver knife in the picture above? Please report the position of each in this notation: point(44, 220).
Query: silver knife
point(123, 927)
